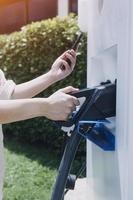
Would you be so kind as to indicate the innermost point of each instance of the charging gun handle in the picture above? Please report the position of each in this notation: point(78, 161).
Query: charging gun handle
point(87, 93)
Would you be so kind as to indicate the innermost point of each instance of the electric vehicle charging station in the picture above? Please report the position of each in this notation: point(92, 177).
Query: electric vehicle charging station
point(109, 25)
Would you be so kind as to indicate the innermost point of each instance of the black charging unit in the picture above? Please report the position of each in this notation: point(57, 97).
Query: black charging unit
point(97, 105)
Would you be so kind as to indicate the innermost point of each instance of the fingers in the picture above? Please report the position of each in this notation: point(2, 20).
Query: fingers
point(72, 102)
point(71, 108)
point(73, 99)
point(66, 65)
point(76, 101)
point(69, 89)
point(62, 104)
point(71, 59)
point(72, 52)
point(69, 55)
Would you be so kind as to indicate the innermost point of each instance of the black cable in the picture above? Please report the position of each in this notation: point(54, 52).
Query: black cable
point(81, 170)
point(65, 166)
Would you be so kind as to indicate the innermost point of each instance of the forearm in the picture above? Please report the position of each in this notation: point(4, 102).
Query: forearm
point(32, 88)
point(17, 110)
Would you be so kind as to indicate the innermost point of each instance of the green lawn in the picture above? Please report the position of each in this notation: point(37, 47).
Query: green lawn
point(30, 171)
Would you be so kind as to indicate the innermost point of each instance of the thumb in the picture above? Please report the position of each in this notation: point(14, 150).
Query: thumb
point(69, 89)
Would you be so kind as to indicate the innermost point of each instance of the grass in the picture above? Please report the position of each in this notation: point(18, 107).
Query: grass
point(30, 171)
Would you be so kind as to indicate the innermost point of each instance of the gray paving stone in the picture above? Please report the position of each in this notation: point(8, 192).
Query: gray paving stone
point(80, 192)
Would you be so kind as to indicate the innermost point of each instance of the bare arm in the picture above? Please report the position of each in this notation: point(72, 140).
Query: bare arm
point(37, 85)
point(56, 107)
point(31, 88)
point(17, 110)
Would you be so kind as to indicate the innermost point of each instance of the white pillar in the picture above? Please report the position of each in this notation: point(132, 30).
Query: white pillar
point(110, 56)
point(63, 8)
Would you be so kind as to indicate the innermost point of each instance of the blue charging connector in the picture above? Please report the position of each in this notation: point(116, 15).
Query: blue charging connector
point(90, 119)
point(98, 133)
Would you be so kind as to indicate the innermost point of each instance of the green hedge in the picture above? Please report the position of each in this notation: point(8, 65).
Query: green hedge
point(29, 53)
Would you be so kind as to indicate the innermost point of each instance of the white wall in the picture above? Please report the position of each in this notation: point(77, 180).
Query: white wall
point(63, 8)
point(110, 51)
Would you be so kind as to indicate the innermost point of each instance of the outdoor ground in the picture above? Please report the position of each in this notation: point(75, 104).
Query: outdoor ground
point(80, 191)
point(30, 171)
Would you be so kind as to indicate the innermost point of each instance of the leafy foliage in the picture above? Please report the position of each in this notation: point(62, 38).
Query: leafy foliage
point(29, 53)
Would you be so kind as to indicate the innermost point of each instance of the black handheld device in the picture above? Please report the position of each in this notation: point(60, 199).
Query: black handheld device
point(76, 44)
point(74, 47)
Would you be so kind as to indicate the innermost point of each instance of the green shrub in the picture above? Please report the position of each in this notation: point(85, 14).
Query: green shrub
point(29, 53)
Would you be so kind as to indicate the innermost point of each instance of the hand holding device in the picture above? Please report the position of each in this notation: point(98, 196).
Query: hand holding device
point(74, 47)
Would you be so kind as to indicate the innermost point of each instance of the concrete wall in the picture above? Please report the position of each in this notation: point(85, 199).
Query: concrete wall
point(110, 55)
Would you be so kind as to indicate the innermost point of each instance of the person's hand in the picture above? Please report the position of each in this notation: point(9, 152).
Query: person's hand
point(60, 68)
point(60, 104)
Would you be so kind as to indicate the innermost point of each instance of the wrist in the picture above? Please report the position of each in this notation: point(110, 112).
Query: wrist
point(52, 77)
point(42, 107)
